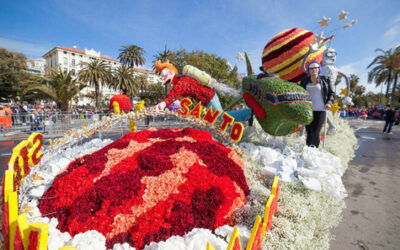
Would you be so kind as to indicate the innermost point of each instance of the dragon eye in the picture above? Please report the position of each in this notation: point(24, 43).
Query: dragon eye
point(270, 98)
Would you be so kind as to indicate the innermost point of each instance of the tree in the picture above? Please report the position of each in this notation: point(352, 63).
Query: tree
point(131, 55)
point(353, 81)
point(59, 87)
point(154, 93)
point(215, 66)
point(125, 80)
point(96, 73)
point(384, 68)
point(12, 73)
point(142, 82)
point(162, 56)
point(358, 90)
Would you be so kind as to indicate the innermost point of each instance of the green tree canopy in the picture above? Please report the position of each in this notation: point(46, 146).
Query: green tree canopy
point(131, 55)
point(215, 66)
point(154, 93)
point(125, 80)
point(13, 75)
point(96, 73)
point(386, 68)
point(59, 87)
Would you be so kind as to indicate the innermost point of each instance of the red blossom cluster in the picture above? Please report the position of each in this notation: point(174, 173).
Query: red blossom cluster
point(123, 101)
point(148, 186)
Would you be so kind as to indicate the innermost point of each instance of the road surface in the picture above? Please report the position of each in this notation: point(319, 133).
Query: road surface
point(372, 180)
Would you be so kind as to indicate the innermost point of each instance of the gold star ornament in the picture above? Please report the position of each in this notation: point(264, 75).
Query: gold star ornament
point(343, 91)
point(324, 21)
point(343, 15)
point(335, 107)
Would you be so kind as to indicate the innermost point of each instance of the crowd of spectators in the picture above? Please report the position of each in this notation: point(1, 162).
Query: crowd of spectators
point(35, 116)
point(374, 112)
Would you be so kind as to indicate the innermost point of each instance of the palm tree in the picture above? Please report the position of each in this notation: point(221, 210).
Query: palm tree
point(131, 55)
point(354, 79)
point(59, 87)
point(385, 67)
point(358, 90)
point(96, 73)
point(125, 80)
point(396, 68)
point(163, 56)
point(142, 82)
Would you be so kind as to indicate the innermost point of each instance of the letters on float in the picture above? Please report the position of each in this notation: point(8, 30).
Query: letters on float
point(211, 116)
point(26, 153)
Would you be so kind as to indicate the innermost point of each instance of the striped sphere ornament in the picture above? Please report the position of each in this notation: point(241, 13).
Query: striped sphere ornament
point(285, 52)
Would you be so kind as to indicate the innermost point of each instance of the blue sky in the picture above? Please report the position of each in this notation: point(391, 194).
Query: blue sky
point(215, 26)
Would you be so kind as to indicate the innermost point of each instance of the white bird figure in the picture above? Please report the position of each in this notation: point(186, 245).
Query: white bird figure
point(324, 21)
point(343, 15)
point(240, 57)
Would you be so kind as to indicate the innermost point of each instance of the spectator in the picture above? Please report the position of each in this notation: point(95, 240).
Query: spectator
point(389, 120)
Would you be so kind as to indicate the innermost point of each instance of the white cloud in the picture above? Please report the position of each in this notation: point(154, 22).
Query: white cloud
point(359, 68)
point(27, 48)
point(391, 38)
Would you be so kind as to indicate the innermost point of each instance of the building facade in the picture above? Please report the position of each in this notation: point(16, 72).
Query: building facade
point(151, 76)
point(72, 58)
point(36, 66)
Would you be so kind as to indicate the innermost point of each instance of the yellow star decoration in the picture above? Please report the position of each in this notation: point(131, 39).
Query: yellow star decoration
point(343, 91)
point(324, 21)
point(140, 107)
point(335, 107)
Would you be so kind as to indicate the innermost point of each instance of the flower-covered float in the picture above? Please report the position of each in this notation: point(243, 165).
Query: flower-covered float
point(181, 188)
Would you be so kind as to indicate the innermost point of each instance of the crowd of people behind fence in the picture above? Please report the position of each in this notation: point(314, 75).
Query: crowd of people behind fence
point(18, 115)
point(374, 112)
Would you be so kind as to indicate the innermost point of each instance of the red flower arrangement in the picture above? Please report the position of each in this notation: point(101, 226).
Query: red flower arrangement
point(148, 186)
point(123, 101)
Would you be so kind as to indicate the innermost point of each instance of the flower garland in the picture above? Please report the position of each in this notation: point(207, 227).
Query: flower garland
point(148, 186)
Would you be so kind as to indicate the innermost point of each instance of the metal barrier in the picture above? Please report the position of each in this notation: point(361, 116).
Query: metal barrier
point(57, 122)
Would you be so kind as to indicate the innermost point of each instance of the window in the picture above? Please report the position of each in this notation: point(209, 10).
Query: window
point(65, 52)
point(65, 71)
point(73, 54)
point(65, 61)
point(73, 62)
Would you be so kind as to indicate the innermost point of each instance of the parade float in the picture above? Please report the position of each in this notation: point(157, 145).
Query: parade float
point(209, 182)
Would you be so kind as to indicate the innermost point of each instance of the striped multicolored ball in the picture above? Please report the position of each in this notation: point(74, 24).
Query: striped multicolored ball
point(285, 52)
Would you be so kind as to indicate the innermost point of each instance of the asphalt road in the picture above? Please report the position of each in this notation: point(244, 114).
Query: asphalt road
point(372, 180)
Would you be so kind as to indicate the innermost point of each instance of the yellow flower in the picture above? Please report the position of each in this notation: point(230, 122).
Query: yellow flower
point(344, 91)
point(335, 107)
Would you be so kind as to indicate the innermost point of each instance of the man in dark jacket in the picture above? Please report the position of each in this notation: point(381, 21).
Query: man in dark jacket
point(389, 119)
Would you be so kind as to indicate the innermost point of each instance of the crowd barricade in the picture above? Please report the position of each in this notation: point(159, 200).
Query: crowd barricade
point(49, 122)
